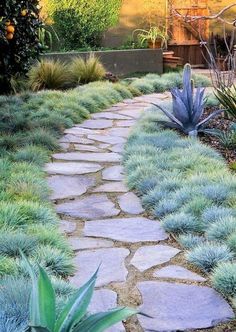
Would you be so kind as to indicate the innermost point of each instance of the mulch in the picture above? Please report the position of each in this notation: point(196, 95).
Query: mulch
point(219, 122)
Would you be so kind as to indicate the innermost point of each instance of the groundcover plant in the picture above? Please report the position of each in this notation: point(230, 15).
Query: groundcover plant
point(30, 125)
point(188, 186)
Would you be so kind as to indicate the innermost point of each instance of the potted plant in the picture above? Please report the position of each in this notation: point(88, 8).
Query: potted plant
point(156, 37)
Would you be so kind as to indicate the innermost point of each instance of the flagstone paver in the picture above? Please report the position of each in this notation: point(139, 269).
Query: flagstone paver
point(107, 226)
point(111, 262)
point(68, 186)
point(90, 207)
point(72, 168)
point(96, 124)
point(126, 229)
point(113, 173)
point(181, 307)
point(149, 256)
point(130, 203)
point(177, 272)
point(96, 157)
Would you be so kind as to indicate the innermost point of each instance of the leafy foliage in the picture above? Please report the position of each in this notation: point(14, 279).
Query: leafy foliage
point(227, 98)
point(19, 24)
point(80, 24)
point(73, 315)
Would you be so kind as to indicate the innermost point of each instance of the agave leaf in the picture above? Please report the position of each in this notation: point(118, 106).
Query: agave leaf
point(180, 111)
point(207, 119)
point(77, 306)
point(169, 124)
point(198, 106)
point(169, 115)
point(101, 321)
point(187, 89)
point(42, 301)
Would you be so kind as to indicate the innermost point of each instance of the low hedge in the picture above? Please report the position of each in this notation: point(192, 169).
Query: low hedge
point(188, 186)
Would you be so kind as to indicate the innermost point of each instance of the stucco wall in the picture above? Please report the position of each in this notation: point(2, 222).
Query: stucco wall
point(134, 13)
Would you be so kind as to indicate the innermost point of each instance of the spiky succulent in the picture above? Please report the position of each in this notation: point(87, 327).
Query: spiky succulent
point(187, 108)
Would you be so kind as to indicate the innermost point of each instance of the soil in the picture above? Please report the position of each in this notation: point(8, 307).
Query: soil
point(223, 123)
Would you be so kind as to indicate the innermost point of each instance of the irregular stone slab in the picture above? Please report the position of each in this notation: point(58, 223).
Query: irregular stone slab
point(72, 168)
point(96, 124)
point(111, 187)
point(78, 131)
point(109, 115)
point(126, 123)
point(120, 132)
point(178, 307)
point(113, 173)
point(111, 262)
point(103, 146)
point(126, 229)
point(133, 113)
point(67, 186)
point(90, 148)
point(104, 300)
point(177, 272)
point(107, 139)
point(79, 243)
point(108, 157)
point(130, 203)
point(67, 227)
point(75, 139)
point(149, 256)
point(119, 148)
point(91, 207)
point(64, 146)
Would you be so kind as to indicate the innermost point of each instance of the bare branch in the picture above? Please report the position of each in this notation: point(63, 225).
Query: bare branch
point(189, 18)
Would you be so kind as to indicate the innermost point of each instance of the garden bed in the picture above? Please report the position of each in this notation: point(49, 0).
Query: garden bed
point(188, 186)
point(120, 62)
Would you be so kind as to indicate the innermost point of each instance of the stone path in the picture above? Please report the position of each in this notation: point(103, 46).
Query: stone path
point(106, 224)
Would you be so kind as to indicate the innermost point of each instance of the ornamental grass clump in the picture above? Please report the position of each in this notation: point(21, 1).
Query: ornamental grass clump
point(224, 279)
point(208, 255)
point(214, 213)
point(85, 71)
point(189, 241)
point(11, 243)
point(221, 229)
point(32, 154)
point(179, 223)
point(48, 74)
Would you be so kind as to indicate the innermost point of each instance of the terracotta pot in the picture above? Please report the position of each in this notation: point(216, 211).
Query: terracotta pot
point(157, 44)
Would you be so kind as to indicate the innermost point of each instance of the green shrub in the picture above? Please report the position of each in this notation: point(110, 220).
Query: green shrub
point(224, 278)
point(32, 154)
point(208, 255)
point(86, 71)
point(82, 24)
point(48, 74)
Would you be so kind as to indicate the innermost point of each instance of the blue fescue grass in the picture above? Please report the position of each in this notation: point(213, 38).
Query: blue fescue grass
point(188, 186)
point(224, 279)
point(208, 255)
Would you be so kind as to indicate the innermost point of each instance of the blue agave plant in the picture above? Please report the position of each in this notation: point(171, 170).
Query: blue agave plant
point(187, 110)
